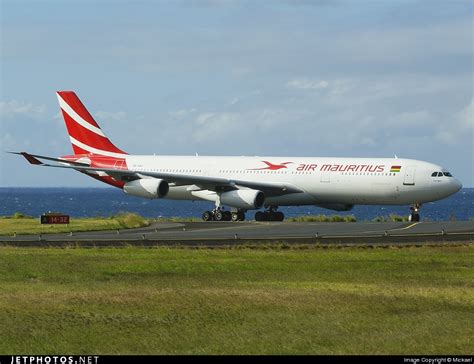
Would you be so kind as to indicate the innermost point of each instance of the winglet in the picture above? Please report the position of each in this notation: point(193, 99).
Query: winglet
point(28, 157)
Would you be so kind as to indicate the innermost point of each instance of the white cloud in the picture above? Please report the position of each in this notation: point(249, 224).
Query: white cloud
point(182, 113)
point(461, 126)
point(13, 108)
point(307, 84)
point(341, 86)
point(8, 142)
point(351, 117)
point(234, 101)
point(465, 117)
point(217, 127)
point(412, 119)
point(204, 118)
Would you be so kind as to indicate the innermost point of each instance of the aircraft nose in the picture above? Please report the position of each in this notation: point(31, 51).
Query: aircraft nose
point(457, 185)
point(454, 186)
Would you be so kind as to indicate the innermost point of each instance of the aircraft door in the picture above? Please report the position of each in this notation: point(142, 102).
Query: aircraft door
point(409, 176)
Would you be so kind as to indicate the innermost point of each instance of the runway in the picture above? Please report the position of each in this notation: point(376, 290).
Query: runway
point(231, 233)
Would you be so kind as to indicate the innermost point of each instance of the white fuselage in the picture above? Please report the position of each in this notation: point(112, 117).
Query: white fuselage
point(350, 181)
point(247, 183)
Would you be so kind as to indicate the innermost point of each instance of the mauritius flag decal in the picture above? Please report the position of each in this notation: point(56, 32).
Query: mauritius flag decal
point(395, 168)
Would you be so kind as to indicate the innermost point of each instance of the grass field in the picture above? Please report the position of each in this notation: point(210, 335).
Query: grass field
point(237, 301)
point(29, 225)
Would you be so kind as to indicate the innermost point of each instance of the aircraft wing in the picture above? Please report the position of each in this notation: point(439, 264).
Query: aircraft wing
point(201, 182)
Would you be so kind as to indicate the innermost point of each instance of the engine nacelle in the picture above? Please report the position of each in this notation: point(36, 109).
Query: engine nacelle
point(147, 188)
point(243, 199)
point(336, 206)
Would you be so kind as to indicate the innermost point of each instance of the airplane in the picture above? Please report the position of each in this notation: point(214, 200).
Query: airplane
point(247, 183)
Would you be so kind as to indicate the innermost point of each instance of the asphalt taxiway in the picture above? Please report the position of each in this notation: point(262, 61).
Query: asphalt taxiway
point(228, 233)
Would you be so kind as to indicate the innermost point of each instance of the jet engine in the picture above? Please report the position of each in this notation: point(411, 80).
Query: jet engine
point(243, 199)
point(147, 188)
point(336, 206)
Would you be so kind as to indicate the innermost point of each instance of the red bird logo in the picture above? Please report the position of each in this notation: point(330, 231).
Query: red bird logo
point(271, 166)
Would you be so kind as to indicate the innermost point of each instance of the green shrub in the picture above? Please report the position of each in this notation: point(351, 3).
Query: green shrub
point(130, 220)
point(390, 218)
point(20, 215)
point(323, 218)
point(350, 218)
point(398, 218)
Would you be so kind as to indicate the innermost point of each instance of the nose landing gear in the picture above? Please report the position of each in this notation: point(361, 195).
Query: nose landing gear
point(415, 212)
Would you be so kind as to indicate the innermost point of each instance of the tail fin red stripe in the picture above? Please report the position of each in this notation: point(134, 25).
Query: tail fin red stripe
point(73, 101)
point(82, 128)
point(79, 150)
point(87, 137)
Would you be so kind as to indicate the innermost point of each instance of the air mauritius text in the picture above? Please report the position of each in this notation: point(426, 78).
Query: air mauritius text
point(352, 168)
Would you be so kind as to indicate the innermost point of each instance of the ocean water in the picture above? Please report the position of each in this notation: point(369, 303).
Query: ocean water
point(89, 202)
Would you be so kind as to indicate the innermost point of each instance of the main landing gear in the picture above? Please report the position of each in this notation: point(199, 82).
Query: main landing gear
point(269, 215)
point(415, 212)
point(218, 214)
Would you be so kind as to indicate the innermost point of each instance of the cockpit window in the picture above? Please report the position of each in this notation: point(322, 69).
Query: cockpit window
point(441, 174)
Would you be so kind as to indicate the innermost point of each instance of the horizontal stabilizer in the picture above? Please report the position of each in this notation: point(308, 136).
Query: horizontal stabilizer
point(30, 158)
point(34, 159)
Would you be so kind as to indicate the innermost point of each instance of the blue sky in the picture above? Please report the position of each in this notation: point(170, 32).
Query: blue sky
point(224, 77)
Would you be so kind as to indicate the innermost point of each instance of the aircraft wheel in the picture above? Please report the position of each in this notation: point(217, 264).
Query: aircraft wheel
point(227, 216)
point(279, 216)
point(415, 212)
point(207, 215)
point(218, 215)
point(259, 216)
point(238, 216)
point(268, 216)
point(415, 217)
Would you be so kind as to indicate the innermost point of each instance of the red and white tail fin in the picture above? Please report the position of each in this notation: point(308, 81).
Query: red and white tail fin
point(86, 135)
